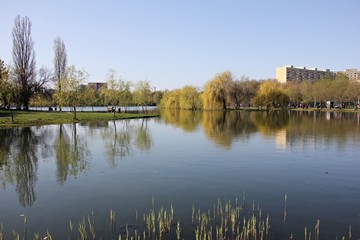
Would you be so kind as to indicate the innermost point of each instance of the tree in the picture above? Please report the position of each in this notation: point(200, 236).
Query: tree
point(171, 99)
point(125, 95)
point(4, 84)
point(60, 61)
point(242, 91)
point(8, 90)
point(24, 71)
point(216, 95)
point(89, 97)
point(142, 93)
point(71, 87)
point(190, 98)
point(293, 90)
point(110, 92)
point(307, 90)
point(271, 95)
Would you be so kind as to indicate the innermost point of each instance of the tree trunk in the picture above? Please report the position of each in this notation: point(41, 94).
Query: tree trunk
point(74, 111)
point(11, 115)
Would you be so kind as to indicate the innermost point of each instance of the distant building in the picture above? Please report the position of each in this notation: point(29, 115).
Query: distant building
point(290, 73)
point(96, 85)
point(352, 74)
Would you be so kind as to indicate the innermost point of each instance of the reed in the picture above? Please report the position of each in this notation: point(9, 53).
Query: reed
point(226, 220)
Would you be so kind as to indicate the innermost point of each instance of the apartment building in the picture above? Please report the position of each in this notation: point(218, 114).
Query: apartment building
point(291, 73)
point(96, 85)
point(352, 74)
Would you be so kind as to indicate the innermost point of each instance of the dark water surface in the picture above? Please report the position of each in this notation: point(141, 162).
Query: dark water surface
point(53, 174)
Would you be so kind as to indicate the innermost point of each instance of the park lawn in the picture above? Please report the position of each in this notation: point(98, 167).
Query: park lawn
point(35, 118)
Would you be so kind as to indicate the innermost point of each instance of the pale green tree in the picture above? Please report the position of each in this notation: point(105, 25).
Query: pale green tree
point(71, 87)
point(89, 97)
point(216, 95)
point(272, 95)
point(307, 89)
point(8, 90)
point(4, 84)
point(125, 95)
point(293, 90)
point(142, 93)
point(190, 98)
point(171, 99)
point(110, 93)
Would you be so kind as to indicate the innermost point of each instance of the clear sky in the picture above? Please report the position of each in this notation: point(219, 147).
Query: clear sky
point(178, 43)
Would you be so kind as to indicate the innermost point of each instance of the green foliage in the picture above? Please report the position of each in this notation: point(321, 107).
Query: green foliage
point(142, 93)
point(271, 95)
point(171, 99)
point(5, 88)
point(216, 95)
point(190, 98)
point(71, 87)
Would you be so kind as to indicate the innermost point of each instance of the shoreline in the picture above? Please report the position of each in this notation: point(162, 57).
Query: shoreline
point(37, 118)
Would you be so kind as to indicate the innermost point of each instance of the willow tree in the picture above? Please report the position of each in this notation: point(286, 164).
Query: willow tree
point(171, 99)
point(24, 72)
point(190, 98)
point(216, 95)
point(60, 61)
point(272, 95)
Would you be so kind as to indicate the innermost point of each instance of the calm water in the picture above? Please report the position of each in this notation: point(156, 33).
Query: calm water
point(57, 173)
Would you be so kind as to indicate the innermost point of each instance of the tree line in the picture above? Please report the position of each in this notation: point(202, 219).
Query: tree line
point(22, 85)
point(224, 91)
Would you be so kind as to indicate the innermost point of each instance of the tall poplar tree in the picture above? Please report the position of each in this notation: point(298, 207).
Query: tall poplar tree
point(24, 72)
point(60, 61)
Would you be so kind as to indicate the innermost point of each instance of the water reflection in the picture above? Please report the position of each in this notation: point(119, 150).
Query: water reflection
point(19, 161)
point(21, 149)
point(70, 152)
point(117, 140)
point(224, 128)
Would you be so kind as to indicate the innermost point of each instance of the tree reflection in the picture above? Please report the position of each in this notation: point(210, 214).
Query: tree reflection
point(19, 162)
point(269, 123)
point(188, 120)
point(70, 153)
point(143, 138)
point(122, 136)
point(118, 141)
point(223, 127)
point(6, 136)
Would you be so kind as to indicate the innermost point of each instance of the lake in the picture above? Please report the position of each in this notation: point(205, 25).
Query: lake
point(297, 167)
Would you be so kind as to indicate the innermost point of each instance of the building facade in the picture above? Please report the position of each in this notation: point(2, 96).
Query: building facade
point(352, 74)
point(290, 73)
point(96, 85)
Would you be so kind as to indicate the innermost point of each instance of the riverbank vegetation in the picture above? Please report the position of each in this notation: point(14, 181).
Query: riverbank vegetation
point(224, 92)
point(229, 220)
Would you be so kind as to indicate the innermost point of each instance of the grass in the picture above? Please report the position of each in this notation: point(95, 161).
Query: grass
point(229, 220)
point(35, 118)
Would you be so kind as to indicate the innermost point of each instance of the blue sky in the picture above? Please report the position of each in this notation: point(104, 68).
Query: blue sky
point(178, 43)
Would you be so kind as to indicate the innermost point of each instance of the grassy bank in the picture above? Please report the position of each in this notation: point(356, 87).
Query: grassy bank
point(33, 118)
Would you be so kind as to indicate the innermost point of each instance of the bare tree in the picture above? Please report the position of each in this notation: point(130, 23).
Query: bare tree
point(24, 72)
point(60, 61)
